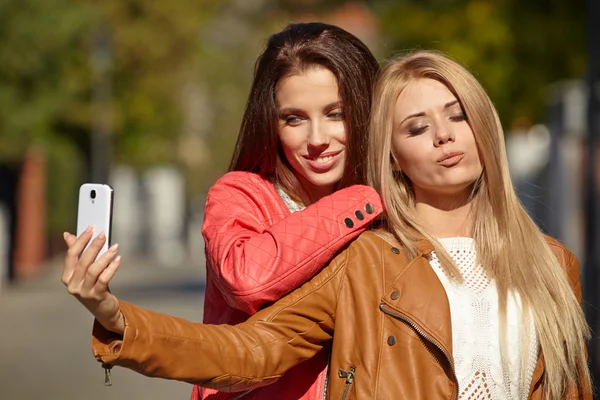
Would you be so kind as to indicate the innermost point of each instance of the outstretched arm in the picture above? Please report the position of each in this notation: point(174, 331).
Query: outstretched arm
point(228, 358)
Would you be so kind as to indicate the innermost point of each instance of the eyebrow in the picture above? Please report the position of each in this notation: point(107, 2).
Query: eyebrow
point(293, 110)
point(421, 114)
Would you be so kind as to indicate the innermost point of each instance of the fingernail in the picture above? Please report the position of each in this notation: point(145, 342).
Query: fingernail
point(118, 259)
point(89, 228)
point(101, 236)
point(114, 247)
point(65, 235)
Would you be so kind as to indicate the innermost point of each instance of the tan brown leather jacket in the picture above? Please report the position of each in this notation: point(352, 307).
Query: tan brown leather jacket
point(392, 335)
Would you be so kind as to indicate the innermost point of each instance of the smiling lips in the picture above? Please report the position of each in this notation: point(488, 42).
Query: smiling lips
point(323, 162)
point(451, 159)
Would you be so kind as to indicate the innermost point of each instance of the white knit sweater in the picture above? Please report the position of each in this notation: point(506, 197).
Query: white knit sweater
point(476, 331)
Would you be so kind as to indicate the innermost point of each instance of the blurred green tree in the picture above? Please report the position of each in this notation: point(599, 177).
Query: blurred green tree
point(515, 48)
point(46, 83)
point(41, 76)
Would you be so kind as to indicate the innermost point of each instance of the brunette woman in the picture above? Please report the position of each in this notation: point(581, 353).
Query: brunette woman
point(293, 197)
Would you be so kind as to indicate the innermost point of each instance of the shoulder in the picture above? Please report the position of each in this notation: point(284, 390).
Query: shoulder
point(247, 184)
point(565, 257)
point(242, 192)
point(370, 247)
point(568, 262)
point(368, 240)
point(242, 179)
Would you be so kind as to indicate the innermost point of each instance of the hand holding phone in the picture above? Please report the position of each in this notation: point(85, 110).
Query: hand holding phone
point(87, 279)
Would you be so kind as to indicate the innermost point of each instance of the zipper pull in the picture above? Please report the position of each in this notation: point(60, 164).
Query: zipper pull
point(107, 368)
point(349, 375)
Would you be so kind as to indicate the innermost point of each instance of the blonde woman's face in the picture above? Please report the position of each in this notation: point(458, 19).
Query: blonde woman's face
point(432, 141)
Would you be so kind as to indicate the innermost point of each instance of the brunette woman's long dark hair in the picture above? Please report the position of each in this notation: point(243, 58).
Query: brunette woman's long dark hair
point(298, 47)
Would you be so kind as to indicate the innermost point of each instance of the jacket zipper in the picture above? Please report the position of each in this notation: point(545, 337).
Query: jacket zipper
point(326, 383)
point(243, 394)
point(107, 368)
point(349, 375)
point(424, 335)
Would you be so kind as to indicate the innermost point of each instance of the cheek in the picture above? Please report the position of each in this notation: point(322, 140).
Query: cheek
point(341, 130)
point(475, 159)
point(291, 140)
point(408, 154)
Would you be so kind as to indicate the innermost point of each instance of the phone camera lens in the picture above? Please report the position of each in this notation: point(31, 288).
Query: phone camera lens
point(93, 194)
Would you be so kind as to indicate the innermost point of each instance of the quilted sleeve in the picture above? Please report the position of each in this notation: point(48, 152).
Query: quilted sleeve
point(255, 264)
point(224, 357)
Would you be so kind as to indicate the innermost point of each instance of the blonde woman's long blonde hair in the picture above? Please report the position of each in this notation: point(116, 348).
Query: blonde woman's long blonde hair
point(510, 246)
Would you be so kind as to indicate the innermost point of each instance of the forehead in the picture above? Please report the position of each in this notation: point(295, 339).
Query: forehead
point(422, 95)
point(313, 83)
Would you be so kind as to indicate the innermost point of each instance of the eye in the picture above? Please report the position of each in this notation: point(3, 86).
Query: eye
point(458, 117)
point(417, 130)
point(337, 115)
point(292, 120)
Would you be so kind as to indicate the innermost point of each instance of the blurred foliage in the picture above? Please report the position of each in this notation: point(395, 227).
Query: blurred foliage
point(181, 70)
point(64, 166)
point(515, 48)
point(40, 68)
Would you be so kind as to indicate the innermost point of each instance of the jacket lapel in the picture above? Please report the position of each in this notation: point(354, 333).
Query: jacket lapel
point(538, 372)
point(417, 293)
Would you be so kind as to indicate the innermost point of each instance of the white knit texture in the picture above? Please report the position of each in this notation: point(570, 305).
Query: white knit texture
point(292, 205)
point(476, 330)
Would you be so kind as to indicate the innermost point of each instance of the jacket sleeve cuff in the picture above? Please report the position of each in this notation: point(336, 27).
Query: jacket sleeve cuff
point(363, 205)
point(108, 347)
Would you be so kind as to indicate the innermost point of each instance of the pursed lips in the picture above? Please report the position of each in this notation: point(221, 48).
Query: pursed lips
point(450, 159)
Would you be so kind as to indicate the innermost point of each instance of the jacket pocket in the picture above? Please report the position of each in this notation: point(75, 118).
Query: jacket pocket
point(349, 376)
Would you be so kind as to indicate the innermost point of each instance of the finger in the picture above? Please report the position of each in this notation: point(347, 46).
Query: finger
point(87, 258)
point(90, 254)
point(93, 272)
point(107, 275)
point(70, 239)
point(77, 247)
point(72, 256)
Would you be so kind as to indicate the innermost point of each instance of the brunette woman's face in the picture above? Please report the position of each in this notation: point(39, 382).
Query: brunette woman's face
point(312, 129)
point(433, 142)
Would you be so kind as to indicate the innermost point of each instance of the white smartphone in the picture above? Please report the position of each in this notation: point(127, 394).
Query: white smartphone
point(95, 209)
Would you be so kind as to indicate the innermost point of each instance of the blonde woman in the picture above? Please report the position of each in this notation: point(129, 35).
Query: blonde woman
point(458, 295)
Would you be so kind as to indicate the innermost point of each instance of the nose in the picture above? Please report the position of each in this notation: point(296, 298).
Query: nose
point(443, 135)
point(318, 139)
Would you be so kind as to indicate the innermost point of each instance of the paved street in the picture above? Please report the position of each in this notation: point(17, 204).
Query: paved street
point(45, 336)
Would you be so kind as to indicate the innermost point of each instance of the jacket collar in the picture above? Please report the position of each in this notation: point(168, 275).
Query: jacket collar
point(416, 293)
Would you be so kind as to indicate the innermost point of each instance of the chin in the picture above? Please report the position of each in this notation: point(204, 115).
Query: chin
point(324, 183)
point(457, 189)
point(324, 180)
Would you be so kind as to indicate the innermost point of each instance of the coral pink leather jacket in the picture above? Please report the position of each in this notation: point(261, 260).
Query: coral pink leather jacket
point(257, 251)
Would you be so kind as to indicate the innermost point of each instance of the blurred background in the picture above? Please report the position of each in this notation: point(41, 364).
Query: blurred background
point(148, 97)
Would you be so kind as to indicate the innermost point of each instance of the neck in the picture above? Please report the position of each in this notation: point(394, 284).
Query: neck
point(314, 195)
point(310, 193)
point(445, 216)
